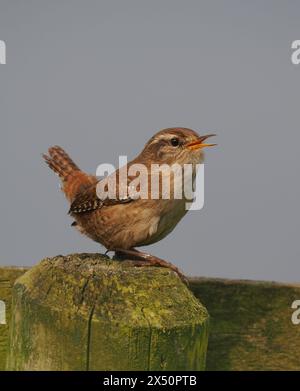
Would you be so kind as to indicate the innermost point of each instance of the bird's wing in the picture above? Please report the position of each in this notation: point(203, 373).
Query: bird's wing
point(88, 200)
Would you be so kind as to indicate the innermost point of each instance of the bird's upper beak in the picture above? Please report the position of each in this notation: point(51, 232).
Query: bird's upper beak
point(199, 143)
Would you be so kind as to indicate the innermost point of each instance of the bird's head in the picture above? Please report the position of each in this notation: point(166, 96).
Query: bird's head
point(176, 145)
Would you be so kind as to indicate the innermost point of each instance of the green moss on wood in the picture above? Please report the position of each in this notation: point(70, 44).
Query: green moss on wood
point(250, 324)
point(8, 275)
point(85, 311)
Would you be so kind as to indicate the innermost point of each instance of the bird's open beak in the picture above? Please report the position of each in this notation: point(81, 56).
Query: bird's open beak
point(199, 143)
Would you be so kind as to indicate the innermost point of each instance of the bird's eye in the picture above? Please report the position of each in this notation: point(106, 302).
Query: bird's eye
point(174, 142)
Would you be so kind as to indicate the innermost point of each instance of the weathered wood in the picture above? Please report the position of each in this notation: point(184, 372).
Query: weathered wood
point(250, 324)
point(8, 275)
point(86, 312)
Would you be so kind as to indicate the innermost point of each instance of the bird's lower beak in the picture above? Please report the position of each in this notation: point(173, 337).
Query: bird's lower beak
point(200, 143)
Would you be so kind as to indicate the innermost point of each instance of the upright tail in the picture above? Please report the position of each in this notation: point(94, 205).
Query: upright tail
point(73, 179)
point(60, 162)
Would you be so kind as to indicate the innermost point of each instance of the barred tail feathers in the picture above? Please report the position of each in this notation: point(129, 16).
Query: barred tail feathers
point(73, 179)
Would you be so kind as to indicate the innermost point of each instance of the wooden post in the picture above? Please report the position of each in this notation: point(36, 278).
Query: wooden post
point(251, 326)
point(87, 312)
point(8, 275)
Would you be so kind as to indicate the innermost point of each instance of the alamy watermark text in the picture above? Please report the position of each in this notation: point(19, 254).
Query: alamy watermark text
point(2, 52)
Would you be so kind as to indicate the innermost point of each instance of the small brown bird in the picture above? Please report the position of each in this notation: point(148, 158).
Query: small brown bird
point(122, 224)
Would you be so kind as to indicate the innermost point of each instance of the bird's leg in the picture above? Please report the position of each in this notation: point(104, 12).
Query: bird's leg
point(140, 258)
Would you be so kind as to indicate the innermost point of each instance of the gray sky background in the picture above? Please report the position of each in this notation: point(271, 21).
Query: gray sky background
point(100, 77)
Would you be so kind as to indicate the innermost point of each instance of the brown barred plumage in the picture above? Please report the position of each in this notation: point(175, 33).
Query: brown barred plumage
point(73, 179)
point(123, 223)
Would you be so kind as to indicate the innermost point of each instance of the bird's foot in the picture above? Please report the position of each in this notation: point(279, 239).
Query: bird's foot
point(139, 258)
